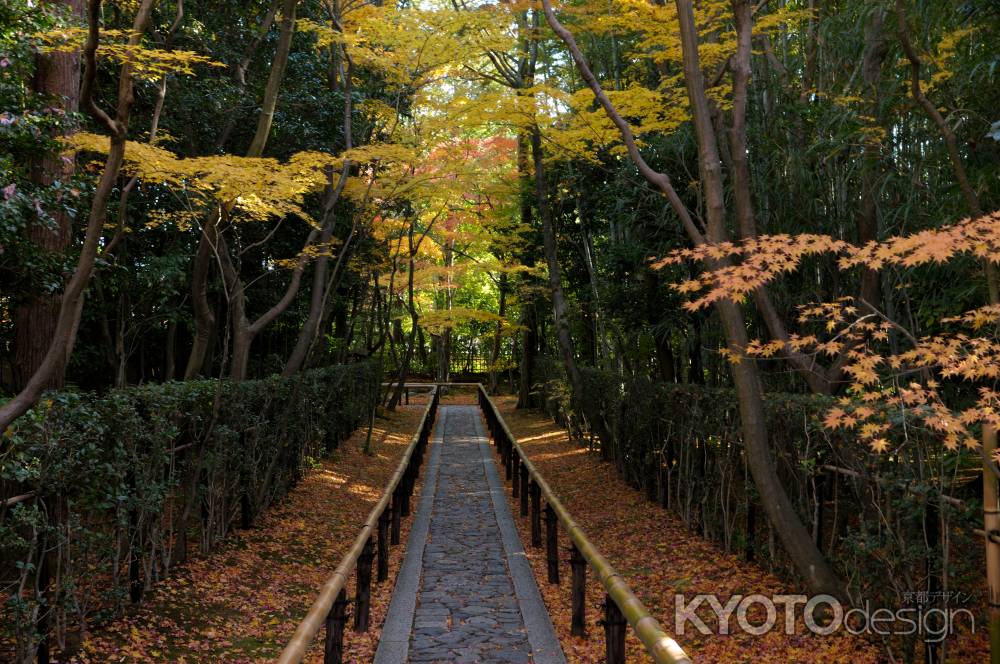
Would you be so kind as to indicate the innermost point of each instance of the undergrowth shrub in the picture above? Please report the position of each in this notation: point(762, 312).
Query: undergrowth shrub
point(898, 527)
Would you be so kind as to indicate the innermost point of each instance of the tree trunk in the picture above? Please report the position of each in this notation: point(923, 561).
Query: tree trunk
point(404, 365)
point(529, 354)
point(585, 405)
point(444, 348)
point(64, 332)
point(808, 560)
point(321, 289)
point(204, 318)
point(661, 338)
point(57, 76)
point(794, 536)
point(277, 74)
point(498, 334)
point(529, 321)
point(208, 243)
point(871, 71)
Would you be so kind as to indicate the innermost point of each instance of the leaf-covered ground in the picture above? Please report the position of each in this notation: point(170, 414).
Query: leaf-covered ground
point(658, 557)
point(243, 602)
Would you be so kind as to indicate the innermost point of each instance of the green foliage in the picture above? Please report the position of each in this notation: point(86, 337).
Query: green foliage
point(29, 126)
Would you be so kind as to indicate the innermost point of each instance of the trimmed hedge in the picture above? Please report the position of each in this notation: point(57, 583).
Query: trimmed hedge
point(116, 488)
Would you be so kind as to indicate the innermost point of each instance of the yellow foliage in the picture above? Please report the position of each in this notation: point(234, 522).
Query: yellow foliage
point(261, 188)
point(436, 322)
point(147, 63)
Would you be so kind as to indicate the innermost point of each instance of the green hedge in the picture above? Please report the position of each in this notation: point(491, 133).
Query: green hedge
point(880, 522)
point(120, 486)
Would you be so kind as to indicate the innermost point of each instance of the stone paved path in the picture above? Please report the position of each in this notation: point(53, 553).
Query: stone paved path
point(476, 600)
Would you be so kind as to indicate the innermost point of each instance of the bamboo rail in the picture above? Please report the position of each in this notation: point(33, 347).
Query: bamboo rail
point(621, 605)
point(329, 609)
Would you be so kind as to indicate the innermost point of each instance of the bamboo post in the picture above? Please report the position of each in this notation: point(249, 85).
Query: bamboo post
point(134, 561)
point(383, 547)
point(245, 514)
point(363, 601)
point(515, 482)
point(509, 458)
point(42, 622)
point(552, 544)
point(333, 652)
point(820, 508)
point(536, 515)
point(748, 548)
point(578, 592)
point(932, 529)
point(524, 492)
point(991, 524)
point(246, 511)
point(404, 495)
point(614, 632)
point(396, 513)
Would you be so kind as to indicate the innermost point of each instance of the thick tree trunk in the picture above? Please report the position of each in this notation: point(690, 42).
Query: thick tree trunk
point(244, 331)
point(208, 243)
point(204, 318)
point(64, 332)
point(321, 290)
point(57, 77)
point(277, 74)
point(241, 67)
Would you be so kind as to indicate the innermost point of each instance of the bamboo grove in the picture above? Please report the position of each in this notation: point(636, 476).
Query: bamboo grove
point(747, 250)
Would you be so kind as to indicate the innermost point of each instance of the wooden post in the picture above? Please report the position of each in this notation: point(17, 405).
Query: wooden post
point(405, 489)
point(578, 592)
point(552, 544)
point(932, 528)
point(536, 515)
point(748, 548)
point(396, 513)
point(246, 509)
point(363, 601)
point(524, 490)
point(614, 632)
point(820, 506)
point(246, 516)
point(134, 555)
point(42, 623)
point(333, 652)
point(509, 458)
point(515, 483)
point(383, 547)
point(991, 524)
